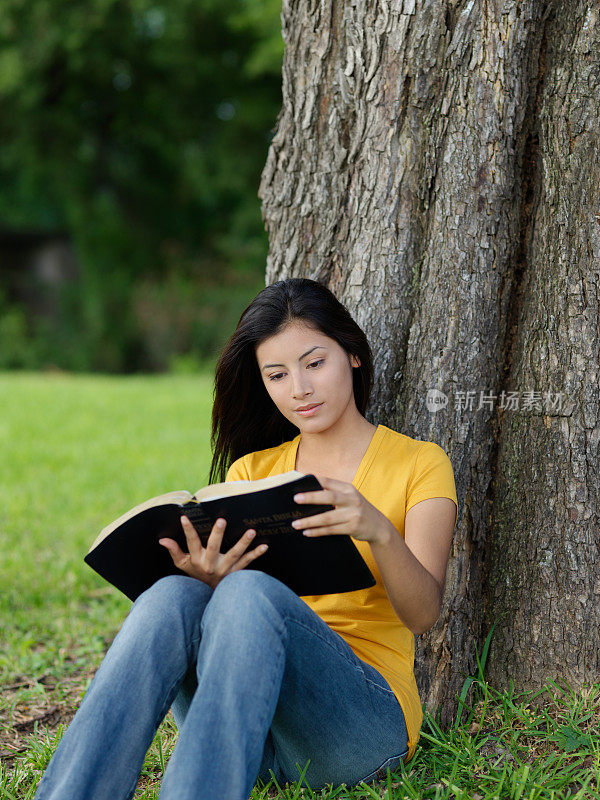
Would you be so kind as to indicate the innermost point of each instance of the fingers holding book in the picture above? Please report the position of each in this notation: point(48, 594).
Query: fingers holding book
point(208, 564)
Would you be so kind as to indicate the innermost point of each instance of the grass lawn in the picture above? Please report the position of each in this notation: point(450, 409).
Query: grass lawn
point(78, 451)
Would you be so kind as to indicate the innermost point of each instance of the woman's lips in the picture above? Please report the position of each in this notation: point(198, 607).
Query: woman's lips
point(310, 411)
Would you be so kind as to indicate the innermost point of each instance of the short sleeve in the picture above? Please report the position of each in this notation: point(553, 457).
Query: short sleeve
point(432, 476)
point(238, 471)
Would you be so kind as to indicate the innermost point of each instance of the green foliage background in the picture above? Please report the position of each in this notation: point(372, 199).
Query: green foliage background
point(139, 129)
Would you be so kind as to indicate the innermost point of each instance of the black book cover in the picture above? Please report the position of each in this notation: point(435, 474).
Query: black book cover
point(131, 559)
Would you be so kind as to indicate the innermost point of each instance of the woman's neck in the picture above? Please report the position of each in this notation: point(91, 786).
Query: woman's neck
point(343, 443)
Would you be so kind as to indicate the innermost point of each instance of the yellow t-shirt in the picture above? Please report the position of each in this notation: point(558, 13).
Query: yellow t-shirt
point(395, 473)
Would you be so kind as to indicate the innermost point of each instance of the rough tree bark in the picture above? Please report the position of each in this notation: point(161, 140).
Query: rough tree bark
point(435, 163)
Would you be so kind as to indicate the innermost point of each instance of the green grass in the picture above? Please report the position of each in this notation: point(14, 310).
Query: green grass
point(79, 450)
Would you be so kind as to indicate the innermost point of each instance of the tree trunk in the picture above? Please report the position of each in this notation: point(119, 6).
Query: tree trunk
point(542, 559)
point(436, 162)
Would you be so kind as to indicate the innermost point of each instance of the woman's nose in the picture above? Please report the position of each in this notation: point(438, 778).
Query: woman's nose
point(301, 385)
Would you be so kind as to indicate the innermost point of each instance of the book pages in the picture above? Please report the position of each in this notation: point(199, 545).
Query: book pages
point(178, 497)
point(210, 492)
point(229, 488)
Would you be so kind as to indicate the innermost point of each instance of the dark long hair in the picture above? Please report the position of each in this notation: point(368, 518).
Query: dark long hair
point(244, 417)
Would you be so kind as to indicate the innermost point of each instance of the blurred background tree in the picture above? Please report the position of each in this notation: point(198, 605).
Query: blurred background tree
point(133, 133)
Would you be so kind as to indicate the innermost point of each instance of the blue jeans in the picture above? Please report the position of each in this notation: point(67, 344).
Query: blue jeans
point(258, 684)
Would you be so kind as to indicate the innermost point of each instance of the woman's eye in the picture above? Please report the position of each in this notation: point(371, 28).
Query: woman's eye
point(278, 375)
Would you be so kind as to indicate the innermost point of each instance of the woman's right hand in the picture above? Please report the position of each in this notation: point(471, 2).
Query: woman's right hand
point(208, 564)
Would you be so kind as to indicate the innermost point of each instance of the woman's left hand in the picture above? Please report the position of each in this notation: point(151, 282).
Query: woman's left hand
point(353, 514)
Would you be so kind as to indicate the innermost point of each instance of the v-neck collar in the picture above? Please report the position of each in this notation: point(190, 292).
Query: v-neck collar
point(364, 465)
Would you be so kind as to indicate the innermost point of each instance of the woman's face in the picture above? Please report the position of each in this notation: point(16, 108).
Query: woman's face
point(301, 366)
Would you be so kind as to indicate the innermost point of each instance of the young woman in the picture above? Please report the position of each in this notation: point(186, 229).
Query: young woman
point(265, 684)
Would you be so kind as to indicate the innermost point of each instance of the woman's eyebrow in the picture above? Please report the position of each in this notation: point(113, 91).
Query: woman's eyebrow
point(316, 347)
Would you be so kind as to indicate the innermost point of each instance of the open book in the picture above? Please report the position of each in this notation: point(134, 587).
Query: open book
point(127, 554)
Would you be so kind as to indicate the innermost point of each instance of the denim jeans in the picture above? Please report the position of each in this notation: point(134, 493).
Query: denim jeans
point(259, 685)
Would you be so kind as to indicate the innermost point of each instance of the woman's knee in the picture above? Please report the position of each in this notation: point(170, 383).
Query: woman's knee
point(247, 589)
point(170, 596)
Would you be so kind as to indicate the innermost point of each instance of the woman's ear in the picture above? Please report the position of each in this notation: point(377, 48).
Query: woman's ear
point(354, 361)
